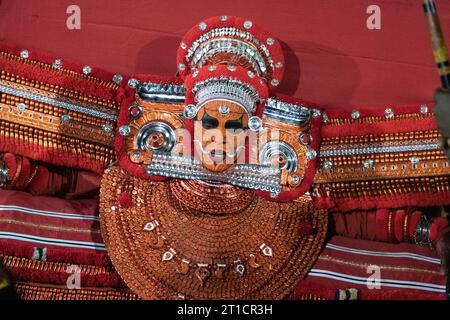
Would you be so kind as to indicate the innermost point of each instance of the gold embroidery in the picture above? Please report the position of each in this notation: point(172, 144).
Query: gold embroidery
point(66, 72)
point(364, 266)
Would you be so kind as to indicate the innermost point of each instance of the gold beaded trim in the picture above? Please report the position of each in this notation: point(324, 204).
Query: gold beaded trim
point(54, 124)
point(382, 187)
point(29, 135)
point(376, 119)
point(338, 161)
point(364, 266)
point(66, 72)
point(10, 262)
point(46, 109)
point(31, 291)
point(387, 137)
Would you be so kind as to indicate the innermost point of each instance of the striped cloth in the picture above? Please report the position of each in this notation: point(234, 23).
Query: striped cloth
point(50, 229)
point(375, 270)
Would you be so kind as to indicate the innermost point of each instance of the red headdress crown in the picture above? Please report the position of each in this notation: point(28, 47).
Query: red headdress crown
point(229, 58)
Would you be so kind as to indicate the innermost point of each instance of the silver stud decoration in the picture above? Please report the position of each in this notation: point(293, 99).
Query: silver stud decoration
point(87, 70)
point(201, 265)
point(266, 250)
point(240, 268)
point(181, 67)
point(325, 118)
point(231, 67)
point(274, 82)
point(279, 64)
point(117, 78)
point(424, 109)
point(212, 68)
point(183, 45)
point(311, 154)
point(202, 26)
point(150, 226)
point(223, 18)
point(270, 41)
point(133, 83)
point(107, 127)
point(368, 163)
point(315, 113)
point(389, 113)
point(255, 123)
point(124, 130)
point(24, 54)
point(168, 255)
point(136, 154)
point(305, 138)
point(135, 111)
point(250, 74)
point(224, 110)
point(248, 24)
point(414, 160)
point(57, 64)
point(190, 111)
point(295, 179)
point(21, 107)
point(328, 165)
point(65, 118)
point(355, 114)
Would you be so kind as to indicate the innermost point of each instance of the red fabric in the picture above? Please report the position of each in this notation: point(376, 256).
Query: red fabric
point(382, 217)
point(25, 173)
point(125, 200)
point(11, 162)
point(378, 128)
point(413, 221)
point(356, 224)
point(331, 56)
point(49, 155)
point(425, 199)
point(438, 225)
point(399, 217)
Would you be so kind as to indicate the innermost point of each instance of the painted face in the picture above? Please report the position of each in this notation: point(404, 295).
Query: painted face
point(219, 134)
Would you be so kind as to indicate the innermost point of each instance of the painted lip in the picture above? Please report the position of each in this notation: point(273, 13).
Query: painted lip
point(219, 153)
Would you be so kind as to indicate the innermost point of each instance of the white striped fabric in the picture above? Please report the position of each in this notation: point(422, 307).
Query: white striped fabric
point(383, 282)
point(62, 215)
point(384, 254)
point(53, 241)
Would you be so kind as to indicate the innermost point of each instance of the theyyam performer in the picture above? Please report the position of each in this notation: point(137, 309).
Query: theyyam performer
point(212, 185)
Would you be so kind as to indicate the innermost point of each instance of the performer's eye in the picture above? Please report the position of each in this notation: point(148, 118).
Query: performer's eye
point(209, 122)
point(234, 124)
